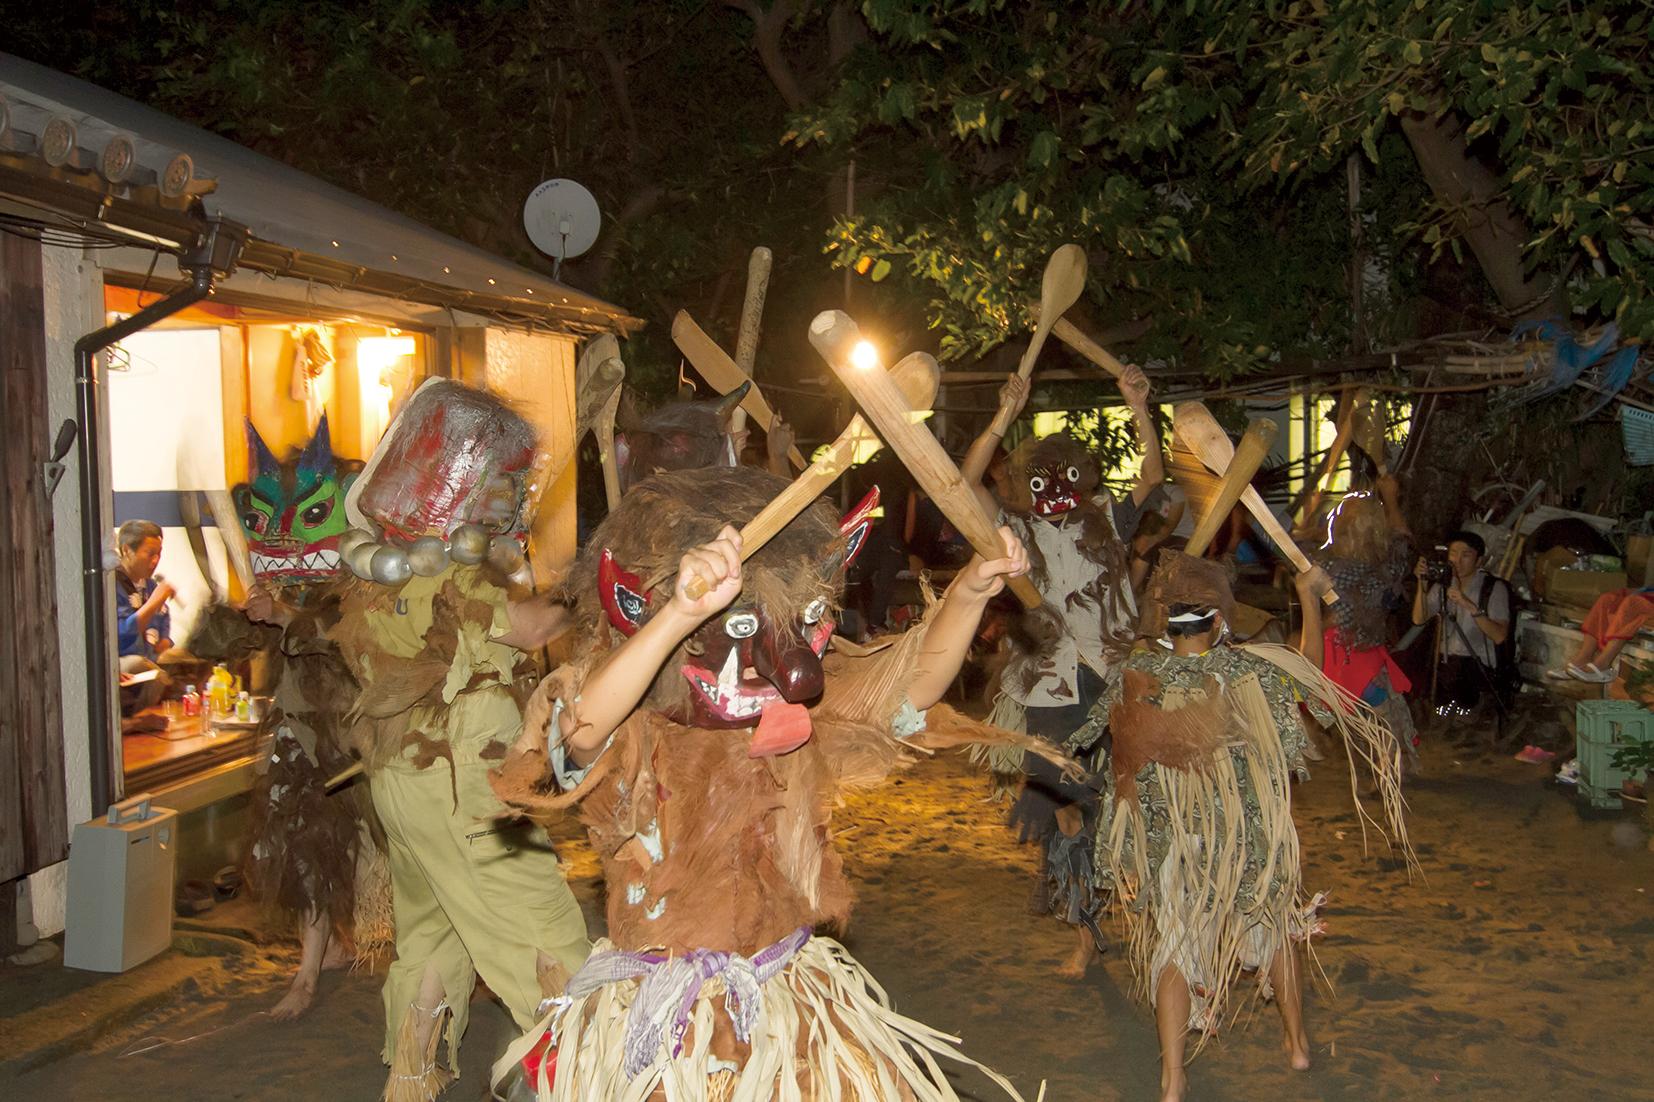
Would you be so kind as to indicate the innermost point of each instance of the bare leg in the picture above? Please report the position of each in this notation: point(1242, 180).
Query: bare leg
point(427, 1017)
point(1610, 652)
point(1171, 1019)
point(1289, 996)
point(313, 956)
point(1071, 821)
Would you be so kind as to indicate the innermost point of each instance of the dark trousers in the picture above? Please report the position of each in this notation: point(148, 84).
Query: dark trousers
point(1045, 790)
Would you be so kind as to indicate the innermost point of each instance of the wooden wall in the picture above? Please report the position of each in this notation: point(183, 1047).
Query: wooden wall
point(33, 818)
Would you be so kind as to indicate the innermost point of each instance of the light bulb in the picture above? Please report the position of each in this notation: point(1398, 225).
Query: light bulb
point(864, 356)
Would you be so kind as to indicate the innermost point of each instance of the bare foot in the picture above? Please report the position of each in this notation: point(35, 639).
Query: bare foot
point(1074, 967)
point(296, 1001)
point(1174, 1084)
point(1297, 1052)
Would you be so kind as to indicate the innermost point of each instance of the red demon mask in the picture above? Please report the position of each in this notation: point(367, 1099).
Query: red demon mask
point(743, 669)
point(1055, 488)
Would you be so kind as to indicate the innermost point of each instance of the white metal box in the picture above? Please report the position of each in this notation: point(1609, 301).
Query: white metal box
point(120, 887)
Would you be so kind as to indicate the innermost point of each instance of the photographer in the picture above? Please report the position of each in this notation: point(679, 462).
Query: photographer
point(1476, 621)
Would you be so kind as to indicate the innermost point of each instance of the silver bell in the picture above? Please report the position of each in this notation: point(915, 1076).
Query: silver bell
point(389, 566)
point(360, 560)
point(428, 556)
point(468, 544)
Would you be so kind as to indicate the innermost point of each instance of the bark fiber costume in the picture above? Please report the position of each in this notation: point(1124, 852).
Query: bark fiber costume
point(312, 852)
point(1063, 651)
point(1195, 840)
point(710, 808)
point(442, 511)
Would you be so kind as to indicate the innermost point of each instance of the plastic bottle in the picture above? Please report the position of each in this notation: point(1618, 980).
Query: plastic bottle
point(192, 701)
point(243, 707)
point(218, 692)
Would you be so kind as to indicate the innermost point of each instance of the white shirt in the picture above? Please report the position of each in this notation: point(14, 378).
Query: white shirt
point(1454, 637)
point(1086, 628)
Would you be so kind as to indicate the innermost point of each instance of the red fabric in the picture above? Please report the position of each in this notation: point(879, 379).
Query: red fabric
point(1619, 614)
point(1355, 669)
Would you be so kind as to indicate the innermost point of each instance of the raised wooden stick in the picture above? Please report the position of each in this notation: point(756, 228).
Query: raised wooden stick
point(1249, 456)
point(752, 318)
point(723, 373)
point(915, 377)
point(1367, 433)
point(1201, 434)
point(1060, 287)
point(589, 376)
point(235, 539)
point(834, 334)
point(1074, 337)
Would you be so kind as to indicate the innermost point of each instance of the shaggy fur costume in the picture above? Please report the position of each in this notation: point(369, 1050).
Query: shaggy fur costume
point(703, 846)
point(306, 841)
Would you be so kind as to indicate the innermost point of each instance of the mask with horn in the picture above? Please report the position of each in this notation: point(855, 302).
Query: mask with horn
point(760, 658)
point(293, 510)
point(456, 478)
point(679, 436)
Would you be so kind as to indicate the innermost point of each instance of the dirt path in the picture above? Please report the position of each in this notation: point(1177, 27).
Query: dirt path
point(1517, 970)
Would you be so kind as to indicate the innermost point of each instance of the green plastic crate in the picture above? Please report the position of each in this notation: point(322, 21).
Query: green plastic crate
point(1603, 727)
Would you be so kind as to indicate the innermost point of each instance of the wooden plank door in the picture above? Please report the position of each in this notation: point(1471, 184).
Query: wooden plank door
point(34, 829)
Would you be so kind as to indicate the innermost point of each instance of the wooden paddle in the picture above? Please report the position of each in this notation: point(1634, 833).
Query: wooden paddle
point(1249, 456)
point(589, 372)
point(1074, 337)
point(1059, 289)
point(723, 373)
point(1367, 433)
point(1201, 434)
point(833, 334)
point(224, 515)
point(915, 377)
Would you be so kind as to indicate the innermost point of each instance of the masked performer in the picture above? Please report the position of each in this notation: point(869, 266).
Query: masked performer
point(313, 859)
point(1367, 554)
point(678, 436)
point(706, 742)
point(1062, 651)
point(1195, 838)
point(438, 645)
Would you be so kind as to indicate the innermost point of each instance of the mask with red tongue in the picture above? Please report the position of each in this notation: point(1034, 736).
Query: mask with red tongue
point(756, 664)
point(1052, 476)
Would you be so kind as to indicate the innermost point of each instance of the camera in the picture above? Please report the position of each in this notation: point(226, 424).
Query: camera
point(1438, 572)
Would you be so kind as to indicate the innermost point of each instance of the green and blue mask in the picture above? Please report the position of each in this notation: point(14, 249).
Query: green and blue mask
point(293, 511)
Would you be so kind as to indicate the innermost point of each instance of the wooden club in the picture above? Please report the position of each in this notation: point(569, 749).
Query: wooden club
point(833, 334)
point(1201, 434)
point(1060, 288)
point(723, 373)
point(915, 378)
point(1249, 456)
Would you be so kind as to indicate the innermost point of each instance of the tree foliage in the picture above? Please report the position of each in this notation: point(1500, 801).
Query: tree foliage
point(1201, 152)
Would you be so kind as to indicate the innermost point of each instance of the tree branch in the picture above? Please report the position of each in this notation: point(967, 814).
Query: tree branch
point(767, 28)
point(1471, 193)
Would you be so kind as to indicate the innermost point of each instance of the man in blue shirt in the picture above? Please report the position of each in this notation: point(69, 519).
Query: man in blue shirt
point(142, 623)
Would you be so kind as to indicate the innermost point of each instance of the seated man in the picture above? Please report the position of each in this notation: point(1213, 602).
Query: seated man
point(1476, 611)
point(142, 623)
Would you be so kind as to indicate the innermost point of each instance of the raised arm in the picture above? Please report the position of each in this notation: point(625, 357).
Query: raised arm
point(1134, 387)
point(617, 684)
point(949, 635)
point(1013, 396)
point(1311, 639)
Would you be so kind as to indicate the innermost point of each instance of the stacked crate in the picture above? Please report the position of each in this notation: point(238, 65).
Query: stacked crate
point(1604, 726)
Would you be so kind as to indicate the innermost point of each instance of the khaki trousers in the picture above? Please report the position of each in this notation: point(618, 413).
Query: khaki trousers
point(473, 896)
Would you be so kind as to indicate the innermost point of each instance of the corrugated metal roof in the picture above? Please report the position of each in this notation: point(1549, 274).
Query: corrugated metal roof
point(304, 227)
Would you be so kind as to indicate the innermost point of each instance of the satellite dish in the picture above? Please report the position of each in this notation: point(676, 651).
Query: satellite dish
point(561, 218)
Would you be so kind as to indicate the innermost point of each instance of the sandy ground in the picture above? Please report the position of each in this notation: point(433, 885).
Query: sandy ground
point(1517, 969)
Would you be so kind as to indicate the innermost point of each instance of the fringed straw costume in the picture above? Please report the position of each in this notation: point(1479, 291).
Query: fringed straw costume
point(715, 831)
point(1196, 840)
